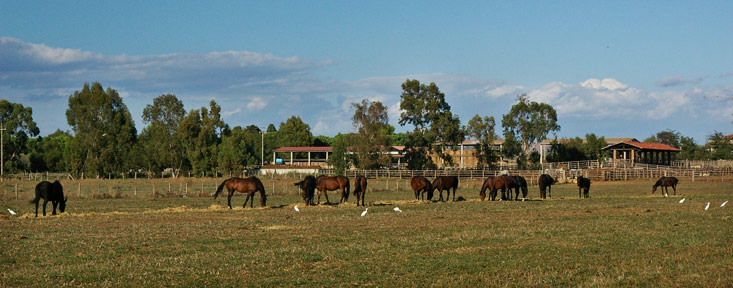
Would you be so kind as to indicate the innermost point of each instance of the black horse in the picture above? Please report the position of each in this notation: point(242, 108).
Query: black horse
point(360, 186)
point(53, 192)
point(584, 185)
point(666, 182)
point(545, 183)
point(521, 184)
point(307, 189)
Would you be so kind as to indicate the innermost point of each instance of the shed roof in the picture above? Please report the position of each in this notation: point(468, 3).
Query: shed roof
point(645, 146)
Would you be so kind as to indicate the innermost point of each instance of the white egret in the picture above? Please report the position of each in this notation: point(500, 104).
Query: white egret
point(397, 209)
point(682, 200)
point(707, 206)
point(365, 211)
point(296, 208)
point(13, 212)
point(721, 205)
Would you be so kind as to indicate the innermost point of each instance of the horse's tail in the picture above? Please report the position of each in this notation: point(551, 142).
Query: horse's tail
point(221, 187)
point(38, 196)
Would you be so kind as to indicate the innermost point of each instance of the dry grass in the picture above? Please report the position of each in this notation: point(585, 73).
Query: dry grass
point(621, 236)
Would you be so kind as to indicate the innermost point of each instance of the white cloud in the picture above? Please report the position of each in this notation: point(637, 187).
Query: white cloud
point(232, 112)
point(256, 103)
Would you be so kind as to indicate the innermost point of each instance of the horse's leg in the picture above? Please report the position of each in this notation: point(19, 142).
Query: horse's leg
point(249, 195)
point(325, 193)
point(37, 207)
point(454, 194)
point(674, 187)
point(319, 196)
point(44, 206)
point(229, 199)
point(549, 191)
point(252, 199)
point(54, 203)
point(580, 194)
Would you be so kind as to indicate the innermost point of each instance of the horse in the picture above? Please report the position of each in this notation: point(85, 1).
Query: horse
point(329, 183)
point(53, 192)
point(488, 184)
point(521, 183)
point(504, 182)
point(545, 183)
point(247, 185)
point(446, 183)
point(421, 185)
point(360, 186)
point(666, 182)
point(307, 189)
point(583, 185)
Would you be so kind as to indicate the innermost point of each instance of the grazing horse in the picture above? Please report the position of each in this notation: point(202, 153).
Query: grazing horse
point(505, 182)
point(360, 186)
point(545, 183)
point(488, 184)
point(421, 185)
point(307, 189)
point(666, 182)
point(446, 183)
point(53, 192)
point(583, 185)
point(329, 183)
point(247, 185)
point(521, 183)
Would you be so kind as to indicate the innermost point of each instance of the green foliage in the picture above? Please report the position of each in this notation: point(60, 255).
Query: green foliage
point(720, 146)
point(294, 133)
point(592, 148)
point(482, 129)
point(424, 107)
point(239, 150)
point(103, 128)
point(338, 159)
point(161, 147)
point(322, 141)
point(200, 132)
point(19, 126)
point(372, 141)
point(529, 122)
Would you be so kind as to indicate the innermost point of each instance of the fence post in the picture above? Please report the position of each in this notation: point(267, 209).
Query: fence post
point(16, 191)
point(79, 188)
point(186, 189)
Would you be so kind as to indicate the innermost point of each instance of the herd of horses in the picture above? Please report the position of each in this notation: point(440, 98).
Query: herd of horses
point(312, 186)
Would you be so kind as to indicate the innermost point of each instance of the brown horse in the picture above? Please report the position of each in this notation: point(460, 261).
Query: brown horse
point(307, 189)
point(488, 184)
point(247, 185)
point(583, 185)
point(666, 182)
point(545, 183)
point(360, 186)
point(421, 185)
point(446, 183)
point(329, 183)
point(505, 183)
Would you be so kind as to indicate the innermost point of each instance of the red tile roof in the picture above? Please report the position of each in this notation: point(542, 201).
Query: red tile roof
point(304, 149)
point(652, 146)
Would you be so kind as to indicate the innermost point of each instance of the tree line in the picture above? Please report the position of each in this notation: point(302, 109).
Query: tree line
point(104, 138)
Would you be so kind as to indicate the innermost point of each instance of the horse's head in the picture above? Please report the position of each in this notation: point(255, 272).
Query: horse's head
point(62, 205)
point(654, 188)
point(263, 200)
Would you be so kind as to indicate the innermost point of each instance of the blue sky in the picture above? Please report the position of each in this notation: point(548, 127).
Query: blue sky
point(617, 69)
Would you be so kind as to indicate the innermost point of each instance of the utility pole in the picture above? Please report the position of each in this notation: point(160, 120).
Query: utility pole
point(2, 152)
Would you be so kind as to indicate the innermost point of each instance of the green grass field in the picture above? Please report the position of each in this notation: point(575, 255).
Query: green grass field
point(621, 236)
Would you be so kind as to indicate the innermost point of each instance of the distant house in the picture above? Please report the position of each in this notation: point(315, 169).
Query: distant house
point(464, 154)
point(545, 146)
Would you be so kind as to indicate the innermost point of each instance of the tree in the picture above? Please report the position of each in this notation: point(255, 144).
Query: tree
point(338, 159)
point(424, 107)
point(294, 133)
point(482, 129)
point(19, 126)
point(593, 147)
point(720, 146)
point(163, 148)
point(529, 122)
point(201, 132)
point(53, 151)
point(371, 140)
point(238, 150)
point(104, 132)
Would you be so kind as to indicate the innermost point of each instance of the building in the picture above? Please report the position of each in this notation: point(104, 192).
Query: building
point(640, 152)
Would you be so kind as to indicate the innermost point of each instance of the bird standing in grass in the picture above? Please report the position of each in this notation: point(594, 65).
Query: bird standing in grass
point(721, 205)
point(365, 211)
point(13, 212)
point(397, 209)
point(682, 201)
point(707, 206)
point(296, 208)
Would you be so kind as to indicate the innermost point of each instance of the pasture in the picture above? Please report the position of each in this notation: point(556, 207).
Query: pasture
point(621, 236)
